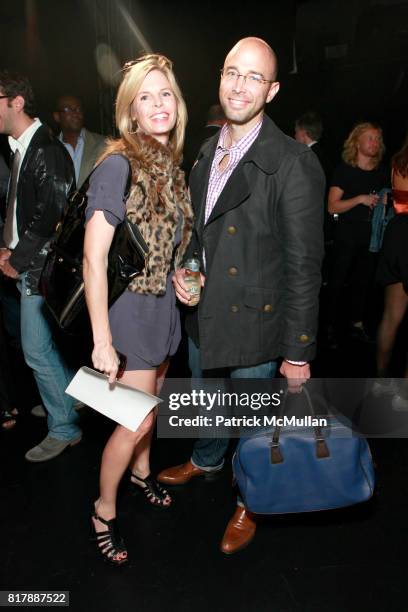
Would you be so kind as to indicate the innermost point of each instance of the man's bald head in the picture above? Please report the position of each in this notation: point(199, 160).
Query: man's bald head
point(248, 81)
point(252, 44)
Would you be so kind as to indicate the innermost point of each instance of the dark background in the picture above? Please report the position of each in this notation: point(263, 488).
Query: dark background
point(346, 59)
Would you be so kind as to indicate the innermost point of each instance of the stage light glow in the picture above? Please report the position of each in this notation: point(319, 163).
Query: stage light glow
point(134, 28)
point(107, 64)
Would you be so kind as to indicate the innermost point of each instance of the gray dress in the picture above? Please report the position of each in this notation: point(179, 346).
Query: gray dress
point(145, 328)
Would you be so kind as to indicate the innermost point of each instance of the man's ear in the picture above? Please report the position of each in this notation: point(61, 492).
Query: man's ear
point(18, 103)
point(273, 90)
point(56, 117)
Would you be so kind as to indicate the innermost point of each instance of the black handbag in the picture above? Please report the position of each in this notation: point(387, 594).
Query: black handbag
point(61, 281)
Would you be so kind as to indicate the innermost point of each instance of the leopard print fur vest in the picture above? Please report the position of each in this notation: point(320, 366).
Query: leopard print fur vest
point(158, 196)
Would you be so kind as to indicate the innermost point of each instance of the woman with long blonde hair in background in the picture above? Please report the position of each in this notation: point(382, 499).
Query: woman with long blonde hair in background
point(353, 193)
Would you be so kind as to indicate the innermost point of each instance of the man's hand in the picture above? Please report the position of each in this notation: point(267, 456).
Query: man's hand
point(296, 375)
point(4, 255)
point(7, 269)
point(370, 200)
point(180, 286)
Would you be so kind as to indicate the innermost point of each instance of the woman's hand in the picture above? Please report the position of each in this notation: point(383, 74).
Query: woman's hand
point(106, 360)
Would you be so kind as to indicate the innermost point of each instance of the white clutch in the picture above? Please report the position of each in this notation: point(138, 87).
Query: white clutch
point(125, 405)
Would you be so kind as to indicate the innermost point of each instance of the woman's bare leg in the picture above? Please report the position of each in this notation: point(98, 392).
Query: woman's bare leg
point(161, 375)
point(120, 448)
point(140, 463)
point(396, 303)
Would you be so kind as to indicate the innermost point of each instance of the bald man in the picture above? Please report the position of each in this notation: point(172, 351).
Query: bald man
point(258, 201)
point(83, 146)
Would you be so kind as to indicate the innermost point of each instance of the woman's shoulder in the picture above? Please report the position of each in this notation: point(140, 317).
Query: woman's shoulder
point(114, 161)
point(113, 169)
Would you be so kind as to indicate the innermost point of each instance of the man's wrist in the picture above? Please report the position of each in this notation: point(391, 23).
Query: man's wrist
point(297, 363)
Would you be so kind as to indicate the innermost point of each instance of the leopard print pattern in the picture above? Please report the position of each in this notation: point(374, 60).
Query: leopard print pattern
point(157, 196)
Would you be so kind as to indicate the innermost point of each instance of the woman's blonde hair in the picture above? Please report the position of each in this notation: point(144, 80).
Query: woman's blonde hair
point(350, 147)
point(134, 75)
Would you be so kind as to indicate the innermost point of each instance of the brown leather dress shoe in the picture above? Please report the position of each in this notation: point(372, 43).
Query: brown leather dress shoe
point(180, 474)
point(239, 532)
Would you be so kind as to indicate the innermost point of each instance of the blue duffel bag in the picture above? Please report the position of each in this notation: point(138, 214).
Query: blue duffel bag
point(294, 469)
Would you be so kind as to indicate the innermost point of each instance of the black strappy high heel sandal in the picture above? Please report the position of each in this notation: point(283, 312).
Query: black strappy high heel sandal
point(154, 492)
point(109, 542)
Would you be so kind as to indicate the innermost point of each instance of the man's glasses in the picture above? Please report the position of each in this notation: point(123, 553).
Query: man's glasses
point(1, 97)
point(232, 75)
point(70, 109)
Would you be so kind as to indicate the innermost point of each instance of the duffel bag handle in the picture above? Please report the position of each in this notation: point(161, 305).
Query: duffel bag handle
point(322, 451)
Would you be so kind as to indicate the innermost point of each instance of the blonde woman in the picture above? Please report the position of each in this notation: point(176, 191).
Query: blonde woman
point(352, 196)
point(144, 322)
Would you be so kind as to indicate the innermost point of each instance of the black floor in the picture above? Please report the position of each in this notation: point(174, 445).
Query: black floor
point(355, 559)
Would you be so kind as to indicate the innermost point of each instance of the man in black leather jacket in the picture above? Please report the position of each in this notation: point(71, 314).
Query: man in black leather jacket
point(41, 176)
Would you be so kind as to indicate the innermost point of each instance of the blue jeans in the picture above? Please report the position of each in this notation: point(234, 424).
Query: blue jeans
point(208, 453)
point(50, 372)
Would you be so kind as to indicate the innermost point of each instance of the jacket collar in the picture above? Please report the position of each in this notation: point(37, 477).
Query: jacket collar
point(266, 152)
point(81, 137)
point(23, 142)
point(41, 137)
point(268, 148)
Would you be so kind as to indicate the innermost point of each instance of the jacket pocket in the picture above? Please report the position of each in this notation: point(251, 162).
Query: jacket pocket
point(260, 299)
point(262, 318)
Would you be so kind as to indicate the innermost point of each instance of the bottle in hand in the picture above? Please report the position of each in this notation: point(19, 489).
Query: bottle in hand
point(193, 279)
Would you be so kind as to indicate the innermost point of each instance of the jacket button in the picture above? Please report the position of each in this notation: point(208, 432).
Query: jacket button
point(232, 271)
point(232, 230)
point(267, 308)
point(234, 308)
point(303, 338)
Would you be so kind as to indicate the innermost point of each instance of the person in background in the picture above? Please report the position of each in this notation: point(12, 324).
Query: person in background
point(42, 174)
point(392, 271)
point(83, 146)
point(215, 120)
point(352, 196)
point(309, 130)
